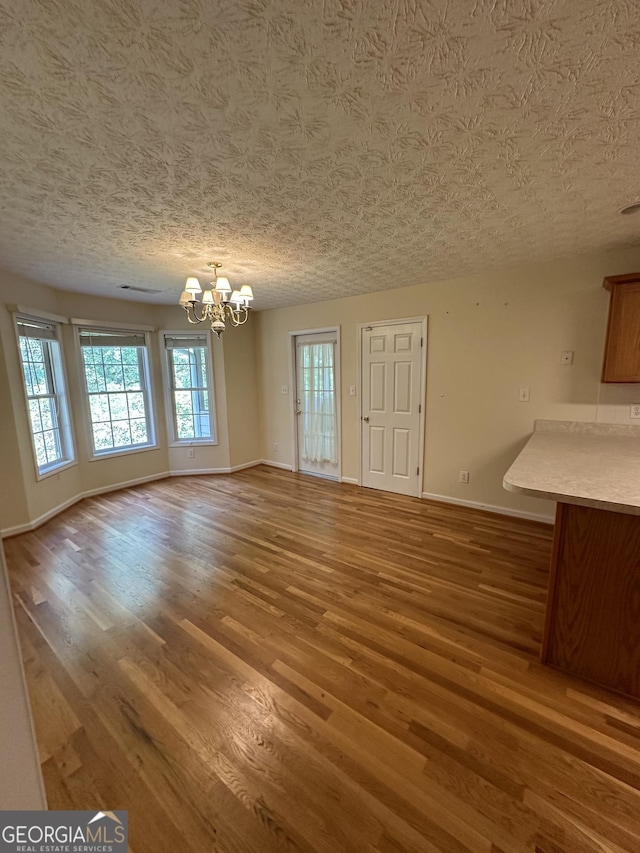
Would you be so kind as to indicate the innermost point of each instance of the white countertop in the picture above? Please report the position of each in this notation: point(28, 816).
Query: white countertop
point(596, 465)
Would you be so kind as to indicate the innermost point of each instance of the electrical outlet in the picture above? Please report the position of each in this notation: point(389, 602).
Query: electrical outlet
point(464, 476)
point(276, 446)
point(191, 454)
point(635, 411)
point(284, 389)
point(523, 395)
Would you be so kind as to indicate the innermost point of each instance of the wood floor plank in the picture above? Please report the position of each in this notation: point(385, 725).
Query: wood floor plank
point(265, 662)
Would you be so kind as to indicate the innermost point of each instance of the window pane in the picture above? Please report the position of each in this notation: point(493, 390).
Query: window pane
point(201, 365)
point(139, 431)
point(47, 414)
point(182, 376)
point(34, 414)
point(41, 453)
point(183, 402)
point(201, 402)
point(51, 445)
point(99, 404)
point(185, 427)
point(93, 379)
point(131, 374)
point(136, 404)
point(102, 437)
point(121, 434)
point(114, 377)
point(119, 408)
point(202, 426)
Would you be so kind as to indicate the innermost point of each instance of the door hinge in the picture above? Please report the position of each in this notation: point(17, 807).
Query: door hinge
point(419, 408)
point(417, 470)
point(421, 342)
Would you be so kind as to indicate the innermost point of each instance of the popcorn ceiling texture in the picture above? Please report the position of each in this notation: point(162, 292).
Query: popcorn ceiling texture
point(317, 148)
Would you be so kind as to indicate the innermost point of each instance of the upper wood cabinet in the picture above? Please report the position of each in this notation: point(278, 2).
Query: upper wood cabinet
point(622, 349)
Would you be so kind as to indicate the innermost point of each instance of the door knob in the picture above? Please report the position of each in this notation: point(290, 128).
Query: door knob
point(366, 419)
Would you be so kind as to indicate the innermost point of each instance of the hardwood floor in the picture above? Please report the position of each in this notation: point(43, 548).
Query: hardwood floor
point(266, 662)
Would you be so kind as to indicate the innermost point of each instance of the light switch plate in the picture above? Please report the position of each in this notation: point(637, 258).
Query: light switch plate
point(567, 357)
point(523, 395)
point(284, 389)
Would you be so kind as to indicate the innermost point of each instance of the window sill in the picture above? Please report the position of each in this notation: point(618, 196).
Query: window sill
point(125, 451)
point(194, 442)
point(55, 469)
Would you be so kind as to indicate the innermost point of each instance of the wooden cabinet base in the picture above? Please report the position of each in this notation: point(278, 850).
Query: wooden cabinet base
point(593, 612)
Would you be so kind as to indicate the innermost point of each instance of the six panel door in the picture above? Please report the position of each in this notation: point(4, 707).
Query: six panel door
point(391, 381)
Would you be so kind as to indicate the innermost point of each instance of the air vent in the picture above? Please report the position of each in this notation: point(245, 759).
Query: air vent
point(138, 289)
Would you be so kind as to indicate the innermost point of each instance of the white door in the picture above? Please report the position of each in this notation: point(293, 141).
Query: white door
point(316, 404)
point(391, 407)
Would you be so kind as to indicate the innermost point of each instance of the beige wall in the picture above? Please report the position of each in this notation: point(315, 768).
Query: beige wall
point(23, 498)
point(488, 335)
point(242, 395)
point(20, 781)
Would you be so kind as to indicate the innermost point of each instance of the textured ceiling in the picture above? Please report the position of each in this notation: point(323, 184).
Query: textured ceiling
point(317, 147)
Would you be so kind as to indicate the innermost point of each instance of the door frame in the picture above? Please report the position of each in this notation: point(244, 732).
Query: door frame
point(293, 379)
point(423, 320)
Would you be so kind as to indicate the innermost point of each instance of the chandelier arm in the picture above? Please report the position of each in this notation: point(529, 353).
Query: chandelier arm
point(192, 315)
point(238, 316)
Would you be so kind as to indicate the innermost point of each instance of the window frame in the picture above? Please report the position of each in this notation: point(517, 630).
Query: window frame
point(167, 376)
point(146, 374)
point(55, 369)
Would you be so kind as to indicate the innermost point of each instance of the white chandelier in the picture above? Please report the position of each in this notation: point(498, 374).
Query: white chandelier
point(219, 304)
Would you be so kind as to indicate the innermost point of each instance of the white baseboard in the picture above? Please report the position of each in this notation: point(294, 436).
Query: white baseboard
point(103, 490)
point(90, 493)
point(501, 510)
point(42, 519)
point(184, 472)
point(282, 465)
point(245, 465)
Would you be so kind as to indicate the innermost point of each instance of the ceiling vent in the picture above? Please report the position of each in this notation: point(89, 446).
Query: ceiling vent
point(138, 289)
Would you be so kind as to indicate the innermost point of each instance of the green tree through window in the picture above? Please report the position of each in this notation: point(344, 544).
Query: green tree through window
point(116, 379)
point(190, 387)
